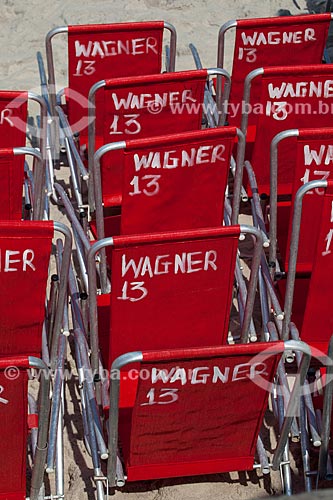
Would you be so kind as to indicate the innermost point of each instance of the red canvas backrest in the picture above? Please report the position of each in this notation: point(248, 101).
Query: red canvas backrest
point(13, 122)
point(274, 41)
point(14, 427)
point(170, 290)
point(11, 184)
point(314, 161)
point(98, 52)
point(13, 118)
point(25, 249)
point(176, 182)
point(146, 106)
point(203, 408)
point(318, 322)
point(290, 98)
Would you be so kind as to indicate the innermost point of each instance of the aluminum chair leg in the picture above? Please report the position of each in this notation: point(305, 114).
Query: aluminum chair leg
point(305, 447)
point(60, 483)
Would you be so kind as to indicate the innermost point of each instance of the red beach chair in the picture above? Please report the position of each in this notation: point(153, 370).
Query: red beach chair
point(308, 295)
point(188, 400)
point(264, 42)
point(170, 182)
point(291, 98)
point(100, 51)
point(14, 428)
point(25, 254)
point(169, 290)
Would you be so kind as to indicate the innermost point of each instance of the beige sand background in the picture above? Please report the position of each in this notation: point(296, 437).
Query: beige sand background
point(23, 26)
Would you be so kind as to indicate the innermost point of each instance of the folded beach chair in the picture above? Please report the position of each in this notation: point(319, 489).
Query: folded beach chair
point(313, 160)
point(307, 295)
point(31, 323)
point(25, 255)
point(182, 417)
point(169, 290)
point(138, 107)
point(100, 51)
point(276, 41)
point(290, 98)
point(169, 182)
point(15, 424)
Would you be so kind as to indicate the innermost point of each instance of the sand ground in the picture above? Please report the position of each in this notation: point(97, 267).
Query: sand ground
point(23, 26)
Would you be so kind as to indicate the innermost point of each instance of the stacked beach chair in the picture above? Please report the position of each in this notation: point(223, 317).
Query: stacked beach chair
point(160, 165)
point(32, 321)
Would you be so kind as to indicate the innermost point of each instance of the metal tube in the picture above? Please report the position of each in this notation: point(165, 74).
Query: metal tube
point(60, 481)
point(43, 80)
point(257, 211)
point(50, 64)
point(91, 140)
point(75, 182)
point(271, 290)
point(253, 279)
point(38, 198)
point(246, 96)
point(69, 135)
point(82, 395)
point(76, 310)
point(88, 382)
point(39, 177)
point(264, 307)
point(312, 421)
point(305, 447)
point(242, 293)
point(72, 216)
point(93, 444)
point(173, 44)
point(238, 177)
point(92, 291)
point(285, 392)
point(258, 222)
point(286, 472)
point(44, 409)
point(274, 188)
point(262, 457)
point(118, 363)
point(81, 257)
point(220, 57)
point(196, 56)
point(292, 345)
point(296, 222)
point(66, 258)
point(99, 204)
point(327, 414)
point(45, 349)
point(66, 330)
point(222, 106)
point(56, 403)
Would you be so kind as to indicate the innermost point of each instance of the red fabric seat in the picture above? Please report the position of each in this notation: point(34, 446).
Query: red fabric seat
point(101, 51)
point(168, 290)
point(25, 249)
point(14, 427)
point(142, 107)
point(170, 182)
point(291, 98)
point(186, 417)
